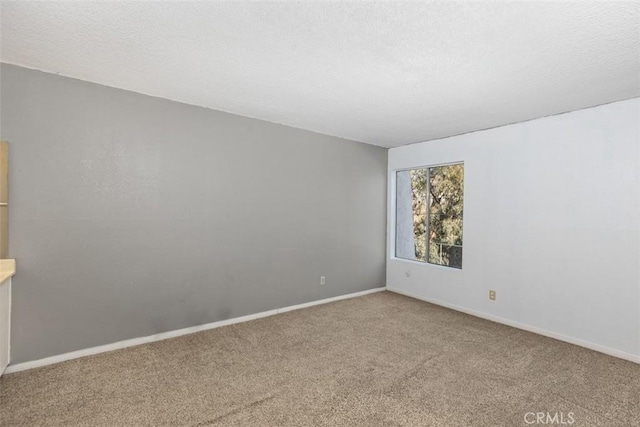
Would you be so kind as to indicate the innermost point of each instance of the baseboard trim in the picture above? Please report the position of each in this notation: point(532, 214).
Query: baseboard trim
point(172, 334)
point(575, 341)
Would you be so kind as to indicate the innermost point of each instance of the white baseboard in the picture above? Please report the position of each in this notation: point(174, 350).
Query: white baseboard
point(591, 346)
point(171, 334)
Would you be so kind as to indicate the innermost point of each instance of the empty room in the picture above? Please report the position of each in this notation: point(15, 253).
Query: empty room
point(320, 213)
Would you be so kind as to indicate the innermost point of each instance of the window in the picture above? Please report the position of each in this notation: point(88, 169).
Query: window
point(429, 205)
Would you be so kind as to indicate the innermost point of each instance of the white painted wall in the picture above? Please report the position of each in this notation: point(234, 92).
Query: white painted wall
point(552, 223)
point(5, 323)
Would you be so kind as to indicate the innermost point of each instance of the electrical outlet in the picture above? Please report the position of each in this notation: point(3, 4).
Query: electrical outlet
point(322, 280)
point(492, 295)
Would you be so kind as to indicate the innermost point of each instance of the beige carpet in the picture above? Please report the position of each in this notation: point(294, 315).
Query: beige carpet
point(382, 359)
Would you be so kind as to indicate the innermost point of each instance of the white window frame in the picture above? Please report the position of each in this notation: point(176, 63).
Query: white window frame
point(393, 210)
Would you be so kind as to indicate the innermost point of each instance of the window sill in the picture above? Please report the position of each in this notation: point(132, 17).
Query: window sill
point(410, 261)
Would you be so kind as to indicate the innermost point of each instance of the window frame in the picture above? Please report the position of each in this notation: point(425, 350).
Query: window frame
point(394, 241)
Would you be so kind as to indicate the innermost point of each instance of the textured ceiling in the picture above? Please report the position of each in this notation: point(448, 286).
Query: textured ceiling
point(385, 73)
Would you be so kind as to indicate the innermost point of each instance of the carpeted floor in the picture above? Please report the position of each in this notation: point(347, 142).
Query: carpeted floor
point(382, 359)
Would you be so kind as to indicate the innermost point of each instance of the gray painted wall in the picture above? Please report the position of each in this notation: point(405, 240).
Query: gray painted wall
point(132, 215)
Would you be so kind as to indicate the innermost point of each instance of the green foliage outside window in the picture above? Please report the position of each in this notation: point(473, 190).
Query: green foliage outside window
point(437, 211)
point(445, 215)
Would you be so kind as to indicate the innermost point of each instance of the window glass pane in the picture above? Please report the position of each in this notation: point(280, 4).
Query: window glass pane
point(445, 215)
point(411, 214)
